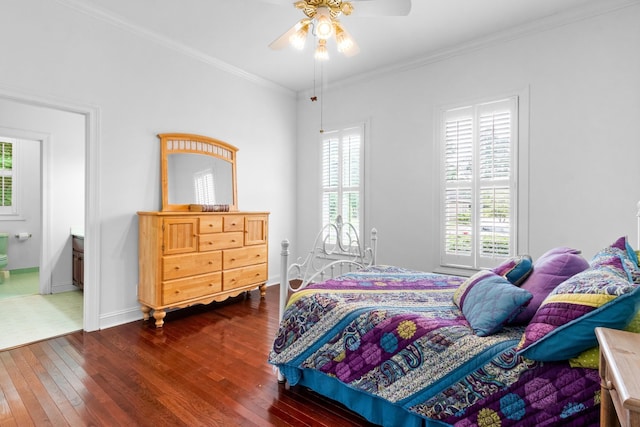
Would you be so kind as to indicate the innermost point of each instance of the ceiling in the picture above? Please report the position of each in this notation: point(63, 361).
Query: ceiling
point(235, 34)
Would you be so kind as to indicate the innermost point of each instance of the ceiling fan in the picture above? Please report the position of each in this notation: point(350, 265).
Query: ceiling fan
point(321, 19)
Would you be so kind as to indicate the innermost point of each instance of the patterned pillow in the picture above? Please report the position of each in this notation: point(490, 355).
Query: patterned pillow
point(619, 257)
point(552, 268)
point(591, 358)
point(488, 301)
point(515, 269)
point(563, 326)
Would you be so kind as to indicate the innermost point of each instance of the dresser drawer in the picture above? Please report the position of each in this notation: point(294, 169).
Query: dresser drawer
point(177, 266)
point(217, 241)
point(244, 276)
point(233, 223)
point(242, 257)
point(176, 291)
point(210, 224)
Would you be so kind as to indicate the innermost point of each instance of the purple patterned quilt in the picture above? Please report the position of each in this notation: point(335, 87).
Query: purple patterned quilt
point(394, 334)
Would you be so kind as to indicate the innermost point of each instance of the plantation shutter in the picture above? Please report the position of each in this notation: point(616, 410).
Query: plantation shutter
point(6, 176)
point(342, 173)
point(458, 203)
point(204, 187)
point(479, 184)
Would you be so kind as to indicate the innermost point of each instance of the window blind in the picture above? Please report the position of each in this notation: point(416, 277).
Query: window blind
point(6, 174)
point(479, 182)
point(342, 171)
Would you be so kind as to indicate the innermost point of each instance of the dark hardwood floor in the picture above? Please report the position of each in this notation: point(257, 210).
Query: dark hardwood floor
point(206, 367)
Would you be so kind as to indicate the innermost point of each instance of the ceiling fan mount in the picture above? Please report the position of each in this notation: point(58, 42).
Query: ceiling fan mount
point(322, 20)
point(335, 7)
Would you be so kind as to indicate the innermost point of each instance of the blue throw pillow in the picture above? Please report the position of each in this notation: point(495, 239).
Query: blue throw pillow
point(488, 301)
point(515, 269)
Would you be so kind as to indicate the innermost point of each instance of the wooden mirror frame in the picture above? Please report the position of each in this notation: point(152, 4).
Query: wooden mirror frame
point(175, 143)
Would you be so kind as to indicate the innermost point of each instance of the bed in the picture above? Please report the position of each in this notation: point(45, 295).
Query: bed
point(509, 346)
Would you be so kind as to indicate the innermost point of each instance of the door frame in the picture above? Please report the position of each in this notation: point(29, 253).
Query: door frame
point(91, 113)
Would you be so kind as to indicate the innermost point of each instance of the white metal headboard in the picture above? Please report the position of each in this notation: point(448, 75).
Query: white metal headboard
point(337, 249)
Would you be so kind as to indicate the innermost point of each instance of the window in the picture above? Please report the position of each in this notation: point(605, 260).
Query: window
point(479, 146)
point(204, 187)
point(342, 176)
point(7, 176)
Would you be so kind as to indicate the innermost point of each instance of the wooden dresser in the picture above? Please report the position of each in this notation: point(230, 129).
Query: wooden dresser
point(188, 258)
point(620, 375)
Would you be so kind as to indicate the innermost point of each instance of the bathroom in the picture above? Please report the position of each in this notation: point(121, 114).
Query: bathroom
point(49, 194)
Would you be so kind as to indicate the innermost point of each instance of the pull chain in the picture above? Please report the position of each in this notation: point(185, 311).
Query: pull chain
point(319, 63)
point(321, 97)
point(314, 98)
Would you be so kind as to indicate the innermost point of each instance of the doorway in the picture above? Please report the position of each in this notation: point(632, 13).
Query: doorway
point(21, 103)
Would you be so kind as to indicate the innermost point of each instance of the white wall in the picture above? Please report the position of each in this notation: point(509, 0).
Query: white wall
point(143, 88)
point(584, 101)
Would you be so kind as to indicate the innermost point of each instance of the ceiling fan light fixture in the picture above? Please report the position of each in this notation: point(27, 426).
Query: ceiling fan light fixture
point(299, 38)
point(322, 53)
point(344, 42)
point(324, 25)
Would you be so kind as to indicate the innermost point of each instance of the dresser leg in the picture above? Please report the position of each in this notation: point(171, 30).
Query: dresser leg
point(145, 312)
point(159, 316)
point(263, 290)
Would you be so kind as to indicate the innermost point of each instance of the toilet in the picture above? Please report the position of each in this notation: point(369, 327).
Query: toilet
point(4, 261)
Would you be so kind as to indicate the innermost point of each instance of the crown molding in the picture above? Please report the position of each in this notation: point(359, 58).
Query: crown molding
point(117, 21)
point(595, 9)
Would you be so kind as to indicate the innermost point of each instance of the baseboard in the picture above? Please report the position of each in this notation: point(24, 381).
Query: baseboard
point(25, 270)
point(120, 317)
point(56, 289)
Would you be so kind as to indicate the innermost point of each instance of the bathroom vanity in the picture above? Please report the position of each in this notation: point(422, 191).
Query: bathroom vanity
point(77, 244)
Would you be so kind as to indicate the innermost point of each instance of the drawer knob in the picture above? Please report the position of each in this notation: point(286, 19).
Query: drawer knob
point(232, 259)
point(177, 267)
point(177, 291)
point(233, 240)
point(210, 262)
point(257, 274)
point(211, 285)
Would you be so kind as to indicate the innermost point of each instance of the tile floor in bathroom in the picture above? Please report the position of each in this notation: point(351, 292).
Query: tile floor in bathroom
point(28, 317)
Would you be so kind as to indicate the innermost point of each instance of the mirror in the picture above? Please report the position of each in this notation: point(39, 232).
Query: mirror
point(198, 172)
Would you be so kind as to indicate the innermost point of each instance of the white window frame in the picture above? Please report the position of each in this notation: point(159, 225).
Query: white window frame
point(12, 213)
point(517, 183)
point(341, 132)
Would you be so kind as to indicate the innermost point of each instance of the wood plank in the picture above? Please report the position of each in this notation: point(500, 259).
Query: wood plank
point(206, 367)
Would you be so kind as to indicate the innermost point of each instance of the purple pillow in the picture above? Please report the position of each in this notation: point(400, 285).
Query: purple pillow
point(552, 268)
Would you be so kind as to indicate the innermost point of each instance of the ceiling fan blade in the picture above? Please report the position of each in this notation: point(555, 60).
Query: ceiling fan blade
point(381, 7)
point(278, 2)
point(283, 41)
